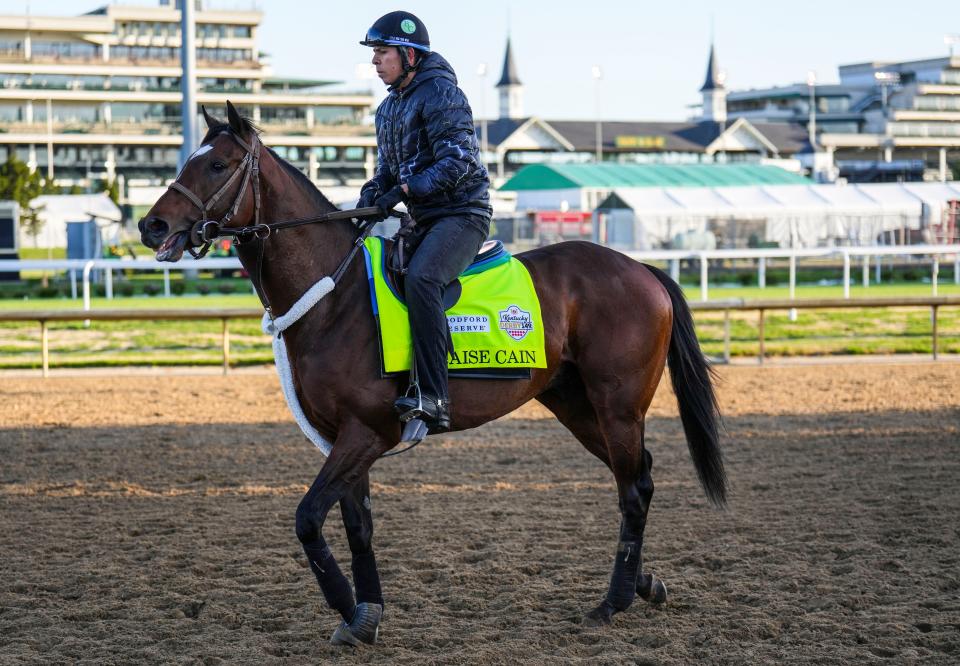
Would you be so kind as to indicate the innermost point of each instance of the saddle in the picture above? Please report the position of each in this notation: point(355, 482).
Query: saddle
point(398, 261)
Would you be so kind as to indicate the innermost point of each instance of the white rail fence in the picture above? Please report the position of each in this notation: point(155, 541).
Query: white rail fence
point(936, 253)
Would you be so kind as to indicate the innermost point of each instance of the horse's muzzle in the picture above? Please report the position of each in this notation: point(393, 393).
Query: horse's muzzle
point(153, 230)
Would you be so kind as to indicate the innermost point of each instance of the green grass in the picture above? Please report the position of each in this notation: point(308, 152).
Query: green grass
point(164, 342)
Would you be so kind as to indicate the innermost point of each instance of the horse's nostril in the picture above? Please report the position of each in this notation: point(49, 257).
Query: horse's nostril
point(154, 226)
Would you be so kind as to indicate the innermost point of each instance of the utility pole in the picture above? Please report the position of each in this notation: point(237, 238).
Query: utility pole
point(597, 76)
point(188, 80)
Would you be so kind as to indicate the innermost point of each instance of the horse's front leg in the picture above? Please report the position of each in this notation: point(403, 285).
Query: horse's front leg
point(354, 451)
point(357, 515)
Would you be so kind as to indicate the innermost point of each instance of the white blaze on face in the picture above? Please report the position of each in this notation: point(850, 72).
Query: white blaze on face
point(200, 151)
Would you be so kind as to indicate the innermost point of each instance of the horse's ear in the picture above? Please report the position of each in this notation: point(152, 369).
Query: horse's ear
point(236, 122)
point(211, 121)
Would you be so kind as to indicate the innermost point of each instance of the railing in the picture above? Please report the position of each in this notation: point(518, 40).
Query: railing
point(46, 316)
point(672, 257)
point(225, 315)
point(762, 306)
point(85, 268)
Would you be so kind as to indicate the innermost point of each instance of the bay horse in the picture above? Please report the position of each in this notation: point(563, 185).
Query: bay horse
point(611, 326)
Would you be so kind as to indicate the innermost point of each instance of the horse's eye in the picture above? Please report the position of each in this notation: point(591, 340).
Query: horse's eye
point(218, 166)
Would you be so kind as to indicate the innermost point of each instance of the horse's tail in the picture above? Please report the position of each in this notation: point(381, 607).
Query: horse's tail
point(692, 375)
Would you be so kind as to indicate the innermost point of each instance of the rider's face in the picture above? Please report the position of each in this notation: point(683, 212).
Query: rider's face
point(387, 61)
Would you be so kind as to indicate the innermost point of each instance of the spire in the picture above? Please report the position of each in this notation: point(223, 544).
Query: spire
point(712, 81)
point(509, 76)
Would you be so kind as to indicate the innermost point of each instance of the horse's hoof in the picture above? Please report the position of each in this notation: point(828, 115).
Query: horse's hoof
point(362, 629)
point(600, 616)
point(651, 589)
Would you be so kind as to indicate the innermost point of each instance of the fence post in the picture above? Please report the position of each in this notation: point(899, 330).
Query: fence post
point(44, 349)
point(793, 285)
point(166, 283)
point(762, 272)
point(846, 275)
point(704, 293)
point(866, 271)
point(934, 315)
point(762, 342)
point(935, 273)
point(108, 282)
point(675, 270)
point(956, 268)
point(226, 346)
point(726, 336)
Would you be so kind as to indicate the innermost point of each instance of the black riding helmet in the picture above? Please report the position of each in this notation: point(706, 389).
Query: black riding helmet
point(398, 29)
point(402, 30)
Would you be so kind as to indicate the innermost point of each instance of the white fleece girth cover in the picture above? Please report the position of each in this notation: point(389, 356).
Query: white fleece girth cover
point(275, 328)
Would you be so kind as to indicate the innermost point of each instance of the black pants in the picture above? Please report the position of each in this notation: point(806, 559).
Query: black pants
point(441, 251)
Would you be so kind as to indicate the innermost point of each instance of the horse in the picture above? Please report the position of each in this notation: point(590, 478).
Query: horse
point(611, 326)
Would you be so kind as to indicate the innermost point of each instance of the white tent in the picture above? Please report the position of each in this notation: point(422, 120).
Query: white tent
point(58, 209)
point(789, 215)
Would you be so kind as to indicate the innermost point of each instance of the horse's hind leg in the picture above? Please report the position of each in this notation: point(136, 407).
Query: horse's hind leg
point(632, 465)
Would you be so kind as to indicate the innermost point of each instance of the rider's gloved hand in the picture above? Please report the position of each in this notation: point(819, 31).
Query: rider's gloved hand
point(368, 199)
point(388, 200)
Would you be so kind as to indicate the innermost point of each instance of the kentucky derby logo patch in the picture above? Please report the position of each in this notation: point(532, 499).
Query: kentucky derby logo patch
point(516, 322)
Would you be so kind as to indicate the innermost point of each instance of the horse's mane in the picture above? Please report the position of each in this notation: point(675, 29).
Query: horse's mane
point(321, 201)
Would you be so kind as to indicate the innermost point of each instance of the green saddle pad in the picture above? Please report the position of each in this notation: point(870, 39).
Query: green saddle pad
point(496, 322)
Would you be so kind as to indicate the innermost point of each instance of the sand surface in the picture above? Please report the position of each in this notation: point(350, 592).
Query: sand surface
point(138, 528)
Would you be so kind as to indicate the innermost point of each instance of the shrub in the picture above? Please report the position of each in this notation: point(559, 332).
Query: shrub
point(47, 292)
point(124, 289)
point(203, 288)
point(178, 288)
point(151, 289)
point(226, 288)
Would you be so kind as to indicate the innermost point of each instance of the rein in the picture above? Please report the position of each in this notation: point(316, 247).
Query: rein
point(205, 231)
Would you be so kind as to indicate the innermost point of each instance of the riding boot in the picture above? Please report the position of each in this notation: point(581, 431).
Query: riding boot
point(434, 412)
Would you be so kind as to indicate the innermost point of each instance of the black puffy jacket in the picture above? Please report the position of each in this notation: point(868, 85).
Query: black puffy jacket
point(426, 139)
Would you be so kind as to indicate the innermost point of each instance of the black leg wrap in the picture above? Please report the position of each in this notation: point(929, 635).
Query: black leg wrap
point(623, 582)
point(366, 579)
point(334, 585)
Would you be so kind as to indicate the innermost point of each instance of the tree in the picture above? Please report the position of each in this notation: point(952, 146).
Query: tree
point(955, 168)
point(17, 183)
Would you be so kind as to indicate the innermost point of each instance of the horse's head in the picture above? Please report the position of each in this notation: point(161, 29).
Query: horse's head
point(214, 185)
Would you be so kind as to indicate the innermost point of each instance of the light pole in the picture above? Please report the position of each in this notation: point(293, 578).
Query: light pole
point(597, 77)
point(482, 73)
point(188, 81)
point(886, 79)
point(812, 124)
point(950, 40)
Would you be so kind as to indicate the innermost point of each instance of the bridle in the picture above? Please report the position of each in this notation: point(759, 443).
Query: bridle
point(204, 232)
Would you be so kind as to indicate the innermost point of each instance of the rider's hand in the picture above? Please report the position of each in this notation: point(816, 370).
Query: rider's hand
point(387, 201)
point(367, 198)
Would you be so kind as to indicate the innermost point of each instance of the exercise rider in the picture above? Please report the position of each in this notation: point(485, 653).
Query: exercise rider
point(428, 158)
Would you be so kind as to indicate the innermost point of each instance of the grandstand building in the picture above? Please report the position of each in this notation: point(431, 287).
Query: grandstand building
point(98, 96)
point(882, 121)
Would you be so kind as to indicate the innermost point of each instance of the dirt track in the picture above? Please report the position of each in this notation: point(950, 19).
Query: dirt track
point(133, 532)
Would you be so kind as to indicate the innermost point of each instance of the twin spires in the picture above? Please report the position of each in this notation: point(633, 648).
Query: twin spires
point(510, 88)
